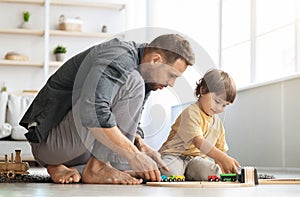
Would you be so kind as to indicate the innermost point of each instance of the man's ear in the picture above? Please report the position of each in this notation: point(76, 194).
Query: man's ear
point(156, 58)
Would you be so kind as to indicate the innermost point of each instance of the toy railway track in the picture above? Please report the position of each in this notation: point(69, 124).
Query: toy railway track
point(279, 181)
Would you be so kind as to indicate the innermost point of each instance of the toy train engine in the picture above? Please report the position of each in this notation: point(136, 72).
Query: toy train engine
point(14, 167)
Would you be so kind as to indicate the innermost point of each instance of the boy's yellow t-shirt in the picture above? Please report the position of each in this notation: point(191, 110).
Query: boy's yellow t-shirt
point(190, 123)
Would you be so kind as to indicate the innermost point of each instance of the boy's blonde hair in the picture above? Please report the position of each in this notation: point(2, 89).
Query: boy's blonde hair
point(219, 82)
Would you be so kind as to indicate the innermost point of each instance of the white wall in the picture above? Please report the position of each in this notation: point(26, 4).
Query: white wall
point(263, 127)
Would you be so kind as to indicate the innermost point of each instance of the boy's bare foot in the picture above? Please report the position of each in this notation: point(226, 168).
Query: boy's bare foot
point(63, 174)
point(98, 172)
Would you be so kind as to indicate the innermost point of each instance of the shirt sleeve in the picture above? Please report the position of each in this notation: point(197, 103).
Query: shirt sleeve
point(189, 126)
point(140, 132)
point(109, 72)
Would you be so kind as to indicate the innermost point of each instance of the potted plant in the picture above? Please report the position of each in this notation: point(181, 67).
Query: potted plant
point(60, 52)
point(26, 17)
point(3, 87)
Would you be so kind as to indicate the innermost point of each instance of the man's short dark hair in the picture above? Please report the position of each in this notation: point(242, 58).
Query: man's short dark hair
point(173, 46)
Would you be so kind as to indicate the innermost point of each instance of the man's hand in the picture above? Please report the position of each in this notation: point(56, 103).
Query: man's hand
point(143, 147)
point(140, 163)
point(144, 167)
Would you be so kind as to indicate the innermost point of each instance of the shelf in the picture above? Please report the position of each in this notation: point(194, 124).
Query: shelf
point(39, 2)
point(78, 3)
point(55, 64)
point(37, 32)
point(20, 63)
point(29, 63)
point(113, 6)
point(22, 31)
point(79, 34)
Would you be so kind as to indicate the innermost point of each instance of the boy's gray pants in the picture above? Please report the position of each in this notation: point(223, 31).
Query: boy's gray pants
point(71, 144)
point(194, 169)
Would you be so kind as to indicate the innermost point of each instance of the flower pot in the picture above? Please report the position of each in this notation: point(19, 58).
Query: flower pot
point(60, 57)
point(25, 25)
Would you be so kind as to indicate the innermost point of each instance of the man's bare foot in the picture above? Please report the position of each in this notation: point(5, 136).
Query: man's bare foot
point(132, 173)
point(98, 172)
point(63, 174)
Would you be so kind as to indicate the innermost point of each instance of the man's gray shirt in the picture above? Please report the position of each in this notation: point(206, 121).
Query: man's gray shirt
point(94, 76)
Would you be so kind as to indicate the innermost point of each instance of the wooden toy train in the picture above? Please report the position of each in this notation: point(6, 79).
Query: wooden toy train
point(14, 167)
point(247, 175)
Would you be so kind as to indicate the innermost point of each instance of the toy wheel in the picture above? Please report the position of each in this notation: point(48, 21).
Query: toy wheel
point(179, 180)
point(233, 180)
point(11, 174)
point(174, 180)
point(210, 180)
point(217, 180)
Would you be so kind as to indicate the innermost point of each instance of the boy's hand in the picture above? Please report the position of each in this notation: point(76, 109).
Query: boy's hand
point(229, 164)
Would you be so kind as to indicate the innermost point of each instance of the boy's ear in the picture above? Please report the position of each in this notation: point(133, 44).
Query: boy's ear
point(201, 91)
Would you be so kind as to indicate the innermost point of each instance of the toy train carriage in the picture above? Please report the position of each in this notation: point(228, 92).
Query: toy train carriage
point(11, 169)
point(228, 177)
point(173, 178)
point(213, 178)
point(223, 177)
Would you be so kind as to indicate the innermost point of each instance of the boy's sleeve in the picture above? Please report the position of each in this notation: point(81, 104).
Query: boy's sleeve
point(189, 126)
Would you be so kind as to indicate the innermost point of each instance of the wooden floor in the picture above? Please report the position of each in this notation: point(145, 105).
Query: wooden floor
point(49, 189)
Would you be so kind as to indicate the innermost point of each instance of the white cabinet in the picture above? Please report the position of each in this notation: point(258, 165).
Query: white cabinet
point(43, 36)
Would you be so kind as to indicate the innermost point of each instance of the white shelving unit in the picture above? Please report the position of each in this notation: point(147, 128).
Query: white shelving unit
point(47, 33)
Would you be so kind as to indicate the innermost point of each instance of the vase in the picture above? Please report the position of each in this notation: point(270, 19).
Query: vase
point(25, 25)
point(60, 57)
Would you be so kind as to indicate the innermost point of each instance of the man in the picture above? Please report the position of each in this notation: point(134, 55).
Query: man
point(83, 122)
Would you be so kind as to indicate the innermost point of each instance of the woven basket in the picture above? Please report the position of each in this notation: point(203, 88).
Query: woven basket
point(70, 27)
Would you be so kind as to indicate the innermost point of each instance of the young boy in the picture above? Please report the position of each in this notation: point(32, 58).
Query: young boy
point(198, 132)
